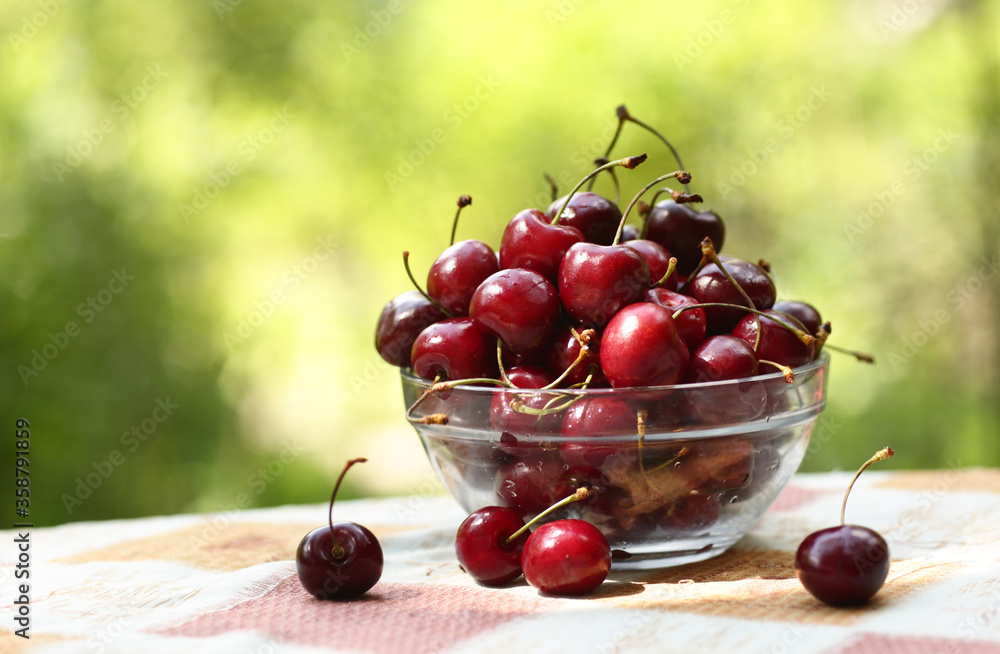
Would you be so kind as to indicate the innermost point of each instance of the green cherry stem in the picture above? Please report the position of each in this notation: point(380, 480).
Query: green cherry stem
point(671, 267)
point(881, 455)
point(338, 550)
point(581, 493)
point(463, 202)
point(409, 273)
point(614, 140)
point(627, 162)
point(681, 176)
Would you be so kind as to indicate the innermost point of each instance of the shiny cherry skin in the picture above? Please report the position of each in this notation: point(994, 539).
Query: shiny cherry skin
point(595, 281)
point(721, 357)
point(642, 347)
point(590, 419)
point(844, 565)
point(401, 321)
point(804, 312)
point(775, 342)
point(531, 241)
point(630, 233)
point(457, 273)
point(455, 349)
point(681, 229)
point(504, 418)
point(328, 577)
point(711, 285)
point(482, 548)
point(533, 482)
point(518, 306)
point(566, 557)
point(595, 216)
point(691, 324)
point(658, 260)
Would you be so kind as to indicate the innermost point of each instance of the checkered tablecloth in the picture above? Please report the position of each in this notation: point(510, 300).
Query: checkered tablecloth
point(226, 582)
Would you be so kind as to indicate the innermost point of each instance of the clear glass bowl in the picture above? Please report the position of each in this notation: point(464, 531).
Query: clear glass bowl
point(679, 473)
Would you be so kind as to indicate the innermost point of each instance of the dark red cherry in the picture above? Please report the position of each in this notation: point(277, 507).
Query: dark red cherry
point(566, 557)
point(457, 273)
point(525, 426)
point(642, 347)
point(401, 321)
point(530, 241)
point(483, 549)
point(595, 281)
point(721, 357)
point(454, 348)
point(804, 312)
point(630, 233)
point(844, 565)
point(339, 560)
point(691, 324)
point(534, 482)
point(711, 285)
point(774, 342)
point(564, 351)
point(595, 216)
point(587, 421)
point(692, 512)
point(658, 260)
point(518, 306)
point(681, 229)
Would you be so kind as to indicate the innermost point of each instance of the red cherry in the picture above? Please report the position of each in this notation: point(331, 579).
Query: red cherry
point(590, 419)
point(565, 350)
point(506, 418)
point(804, 312)
point(658, 260)
point(773, 341)
point(457, 273)
point(532, 483)
point(456, 349)
point(518, 306)
point(483, 549)
point(596, 281)
point(712, 286)
point(641, 347)
point(681, 229)
point(339, 560)
point(530, 241)
point(401, 321)
point(596, 217)
point(721, 357)
point(845, 565)
point(691, 324)
point(566, 557)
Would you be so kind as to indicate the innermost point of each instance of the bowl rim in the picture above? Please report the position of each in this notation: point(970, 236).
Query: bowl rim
point(821, 362)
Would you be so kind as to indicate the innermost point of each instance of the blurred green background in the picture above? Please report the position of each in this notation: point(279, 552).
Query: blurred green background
point(203, 206)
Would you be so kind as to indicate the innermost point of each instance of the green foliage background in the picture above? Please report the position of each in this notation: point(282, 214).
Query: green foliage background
point(257, 168)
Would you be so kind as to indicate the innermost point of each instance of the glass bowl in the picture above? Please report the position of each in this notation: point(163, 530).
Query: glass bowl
point(679, 473)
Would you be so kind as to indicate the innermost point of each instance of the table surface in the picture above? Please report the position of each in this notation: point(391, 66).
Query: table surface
point(226, 582)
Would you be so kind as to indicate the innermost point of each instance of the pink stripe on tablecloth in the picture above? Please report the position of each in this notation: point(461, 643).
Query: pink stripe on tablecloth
point(389, 619)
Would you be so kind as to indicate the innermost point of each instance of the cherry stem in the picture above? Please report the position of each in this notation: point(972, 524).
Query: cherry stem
point(786, 372)
point(611, 146)
point(583, 339)
point(807, 339)
point(623, 115)
point(553, 187)
point(679, 198)
point(881, 455)
point(671, 267)
point(860, 356)
point(338, 551)
point(463, 201)
point(627, 162)
point(503, 373)
point(679, 175)
point(581, 493)
point(409, 273)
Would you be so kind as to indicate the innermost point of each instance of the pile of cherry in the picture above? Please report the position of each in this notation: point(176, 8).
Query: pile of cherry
point(577, 298)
